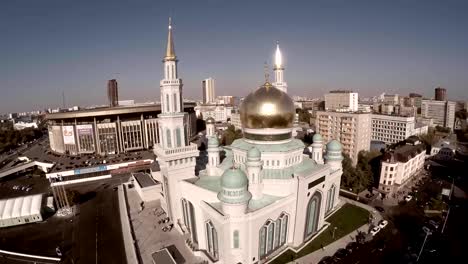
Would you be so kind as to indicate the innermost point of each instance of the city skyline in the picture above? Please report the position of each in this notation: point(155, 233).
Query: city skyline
point(53, 47)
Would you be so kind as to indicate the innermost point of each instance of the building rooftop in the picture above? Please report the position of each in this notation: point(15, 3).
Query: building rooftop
point(106, 111)
point(404, 153)
point(144, 179)
point(20, 206)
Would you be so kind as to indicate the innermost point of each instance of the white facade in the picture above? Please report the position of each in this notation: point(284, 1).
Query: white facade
point(220, 113)
point(392, 129)
point(341, 101)
point(353, 130)
point(442, 112)
point(235, 120)
point(208, 86)
point(399, 166)
point(263, 197)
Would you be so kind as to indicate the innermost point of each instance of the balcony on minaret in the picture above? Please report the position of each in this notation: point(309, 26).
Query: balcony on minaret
point(174, 152)
point(175, 82)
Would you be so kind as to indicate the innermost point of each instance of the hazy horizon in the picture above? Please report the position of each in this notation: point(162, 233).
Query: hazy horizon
point(51, 46)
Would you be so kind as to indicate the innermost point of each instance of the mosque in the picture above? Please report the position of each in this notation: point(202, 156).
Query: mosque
point(255, 198)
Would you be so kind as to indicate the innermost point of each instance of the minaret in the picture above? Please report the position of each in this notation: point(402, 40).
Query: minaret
point(279, 71)
point(171, 135)
point(175, 154)
point(171, 85)
point(213, 155)
point(317, 148)
point(254, 167)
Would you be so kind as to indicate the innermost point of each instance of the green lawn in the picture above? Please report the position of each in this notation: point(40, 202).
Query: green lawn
point(346, 219)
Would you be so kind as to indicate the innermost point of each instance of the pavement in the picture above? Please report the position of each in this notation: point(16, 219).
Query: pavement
point(330, 249)
point(149, 235)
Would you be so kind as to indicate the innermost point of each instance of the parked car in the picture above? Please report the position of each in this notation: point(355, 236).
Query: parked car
point(352, 246)
point(408, 198)
point(434, 224)
point(326, 260)
point(375, 230)
point(383, 223)
point(342, 253)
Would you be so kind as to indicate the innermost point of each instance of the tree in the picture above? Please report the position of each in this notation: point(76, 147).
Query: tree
point(360, 177)
point(304, 115)
point(230, 134)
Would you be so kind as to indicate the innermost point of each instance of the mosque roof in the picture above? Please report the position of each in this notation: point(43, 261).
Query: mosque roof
point(294, 144)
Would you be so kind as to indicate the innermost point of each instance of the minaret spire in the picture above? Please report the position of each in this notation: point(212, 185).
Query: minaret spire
point(278, 57)
point(279, 70)
point(170, 51)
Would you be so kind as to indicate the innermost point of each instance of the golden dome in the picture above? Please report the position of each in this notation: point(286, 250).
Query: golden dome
point(267, 107)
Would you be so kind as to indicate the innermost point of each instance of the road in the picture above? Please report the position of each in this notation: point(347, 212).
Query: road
point(98, 237)
point(93, 235)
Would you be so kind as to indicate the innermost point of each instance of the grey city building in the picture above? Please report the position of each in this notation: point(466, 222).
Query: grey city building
point(442, 112)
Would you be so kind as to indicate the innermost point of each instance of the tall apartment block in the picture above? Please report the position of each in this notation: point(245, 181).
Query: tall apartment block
point(208, 90)
point(440, 94)
point(112, 93)
point(353, 130)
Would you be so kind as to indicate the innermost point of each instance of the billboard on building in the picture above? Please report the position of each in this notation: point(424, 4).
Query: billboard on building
point(68, 135)
point(84, 129)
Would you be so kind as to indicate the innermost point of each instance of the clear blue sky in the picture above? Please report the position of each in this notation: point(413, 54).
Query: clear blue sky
point(50, 46)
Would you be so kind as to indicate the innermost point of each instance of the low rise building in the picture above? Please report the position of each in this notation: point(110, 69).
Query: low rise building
point(392, 129)
point(341, 101)
point(220, 113)
point(444, 149)
point(398, 166)
point(21, 210)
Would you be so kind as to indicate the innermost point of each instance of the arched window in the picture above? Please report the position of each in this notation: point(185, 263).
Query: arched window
point(193, 226)
point(312, 216)
point(175, 103)
point(212, 239)
point(168, 138)
point(167, 103)
point(178, 137)
point(273, 235)
point(284, 228)
point(330, 198)
point(235, 238)
point(277, 233)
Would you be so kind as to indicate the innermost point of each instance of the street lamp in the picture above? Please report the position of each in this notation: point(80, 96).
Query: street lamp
point(428, 233)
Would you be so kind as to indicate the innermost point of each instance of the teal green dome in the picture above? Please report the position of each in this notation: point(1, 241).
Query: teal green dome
point(317, 138)
point(253, 153)
point(234, 179)
point(334, 145)
point(213, 141)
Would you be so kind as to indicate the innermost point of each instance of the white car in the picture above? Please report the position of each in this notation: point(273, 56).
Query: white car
point(375, 230)
point(383, 224)
point(408, 198)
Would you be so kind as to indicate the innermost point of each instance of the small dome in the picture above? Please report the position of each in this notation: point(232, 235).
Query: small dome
point(334, 145)
point(317, 138)
point(234, 179)
point(253, 153)
point(210, 120)
point(267, 107)
point(213, 141)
